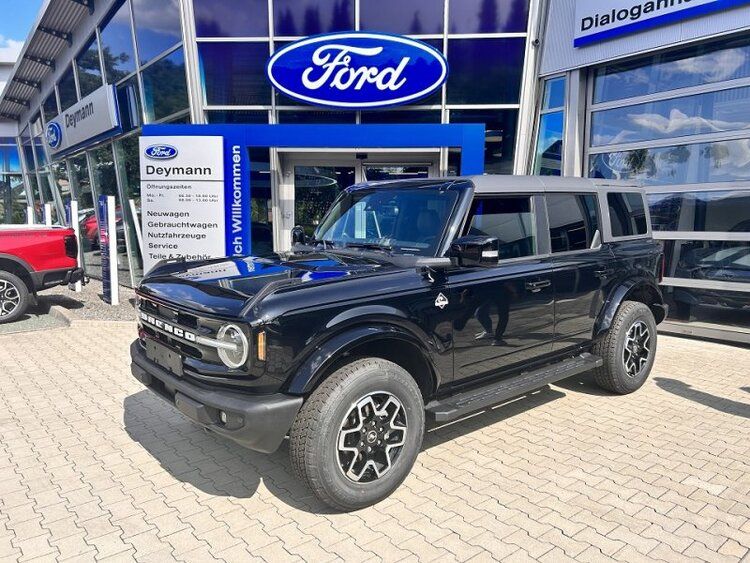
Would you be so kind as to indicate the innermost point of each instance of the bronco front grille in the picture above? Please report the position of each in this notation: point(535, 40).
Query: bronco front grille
point(180, 330)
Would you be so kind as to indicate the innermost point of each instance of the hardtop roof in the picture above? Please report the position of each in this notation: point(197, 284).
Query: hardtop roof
point(497, 183)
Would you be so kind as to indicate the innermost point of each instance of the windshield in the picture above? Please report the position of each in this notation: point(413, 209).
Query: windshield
point(408, 220)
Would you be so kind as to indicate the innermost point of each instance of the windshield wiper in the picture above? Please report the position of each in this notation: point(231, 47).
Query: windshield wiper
point(325, 242)
point(369, 246)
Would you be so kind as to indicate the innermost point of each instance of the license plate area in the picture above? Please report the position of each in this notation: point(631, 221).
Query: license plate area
point(164, 356)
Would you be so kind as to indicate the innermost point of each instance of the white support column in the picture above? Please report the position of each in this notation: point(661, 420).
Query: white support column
point(192, 64)
point(112, 240)
point(29, 215)
point(575, 124)
point(48, 214)
point(77, 231)
point(529, 88)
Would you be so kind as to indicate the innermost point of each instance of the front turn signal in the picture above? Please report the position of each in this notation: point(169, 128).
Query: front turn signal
point(261, 347)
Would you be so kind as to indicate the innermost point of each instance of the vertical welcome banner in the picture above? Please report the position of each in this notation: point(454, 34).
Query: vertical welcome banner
point(195, 200)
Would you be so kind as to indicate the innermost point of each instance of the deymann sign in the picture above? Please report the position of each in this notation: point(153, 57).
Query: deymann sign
point(93, 118)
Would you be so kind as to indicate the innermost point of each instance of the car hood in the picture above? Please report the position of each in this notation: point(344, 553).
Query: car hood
point(225, 286)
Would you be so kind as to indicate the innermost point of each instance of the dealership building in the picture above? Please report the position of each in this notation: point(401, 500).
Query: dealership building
point(657, 92)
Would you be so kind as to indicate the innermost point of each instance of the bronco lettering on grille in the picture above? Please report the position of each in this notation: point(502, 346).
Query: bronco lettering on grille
point(166, 327)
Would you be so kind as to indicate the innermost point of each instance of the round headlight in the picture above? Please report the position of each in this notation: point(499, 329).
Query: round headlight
point(234, 355)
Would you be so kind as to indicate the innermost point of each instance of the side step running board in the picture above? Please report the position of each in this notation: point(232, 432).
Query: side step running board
point(467, 402)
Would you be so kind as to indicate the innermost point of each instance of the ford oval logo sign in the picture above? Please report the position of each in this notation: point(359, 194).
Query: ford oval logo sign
point(357, 70)
point(161, 152)
point(53, 134)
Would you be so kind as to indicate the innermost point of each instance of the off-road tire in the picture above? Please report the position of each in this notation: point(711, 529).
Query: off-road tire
point(6, 280)
point(315, 432)
point(612, 376)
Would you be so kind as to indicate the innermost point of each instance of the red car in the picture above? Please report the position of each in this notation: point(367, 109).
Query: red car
point(33, 258)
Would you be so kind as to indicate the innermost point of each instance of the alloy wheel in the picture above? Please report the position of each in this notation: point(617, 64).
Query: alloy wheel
point(10, 298)
point(637, 348)
point(371, 437)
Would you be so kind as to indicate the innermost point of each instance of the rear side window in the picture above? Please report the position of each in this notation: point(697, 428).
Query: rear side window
point(573, 222)
point(627, 214)
point(510, 219)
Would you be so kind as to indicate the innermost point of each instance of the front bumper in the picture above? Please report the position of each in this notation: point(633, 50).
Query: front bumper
point(257, 422)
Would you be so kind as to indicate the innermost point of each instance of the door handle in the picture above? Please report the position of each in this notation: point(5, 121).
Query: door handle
point(604, 273)
point(537, 286)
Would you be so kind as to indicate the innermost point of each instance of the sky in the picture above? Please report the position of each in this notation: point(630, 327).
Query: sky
point(17, 18)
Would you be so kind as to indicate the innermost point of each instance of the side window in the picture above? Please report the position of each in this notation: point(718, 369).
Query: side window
point(510, 219)
point(573, 222)
point(627, 214)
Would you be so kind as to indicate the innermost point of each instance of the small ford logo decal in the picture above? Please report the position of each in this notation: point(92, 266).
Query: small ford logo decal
point(161, 152)
point(357, 70)
point(53, 134)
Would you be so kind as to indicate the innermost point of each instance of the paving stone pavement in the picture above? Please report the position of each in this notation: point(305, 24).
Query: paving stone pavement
point(92, 466)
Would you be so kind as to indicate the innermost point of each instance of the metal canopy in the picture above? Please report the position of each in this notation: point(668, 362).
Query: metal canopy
point(39, 52)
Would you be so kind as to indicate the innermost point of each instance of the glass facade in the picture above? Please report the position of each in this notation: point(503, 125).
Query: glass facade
point(548, 154)
point(12, 192)
point(483, 40)
point(137, 46)
point(678, 122)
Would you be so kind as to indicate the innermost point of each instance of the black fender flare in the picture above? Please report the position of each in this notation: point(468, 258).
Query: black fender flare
point(308, 374)
point(620, 294)
point(23, 265)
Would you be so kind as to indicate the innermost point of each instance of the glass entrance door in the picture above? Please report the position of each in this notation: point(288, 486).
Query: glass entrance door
point(315, 189)
point(310, 182)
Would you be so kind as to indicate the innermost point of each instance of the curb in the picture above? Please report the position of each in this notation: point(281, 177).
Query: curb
point(67, 317)
point(62, 314)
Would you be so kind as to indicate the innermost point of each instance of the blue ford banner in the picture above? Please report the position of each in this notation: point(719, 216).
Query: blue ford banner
point(357, 70)
point(104, 248)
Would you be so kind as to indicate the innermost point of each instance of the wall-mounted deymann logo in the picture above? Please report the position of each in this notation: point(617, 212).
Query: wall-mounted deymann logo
point(160, 152)
point(93, 118)
point(53, 134)
point(357, 70)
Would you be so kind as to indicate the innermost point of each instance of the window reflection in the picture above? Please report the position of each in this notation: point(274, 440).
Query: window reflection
point(234, 73)
point(725, 211)
point(311, 17)
point(164, 86)
point(117, 44)
point(49, 107)
point(549, 150)
point(129, 104)
point(725, 110)
point(727, 261)
point(259, 117)
point(12, 200)
point(89, 68)
point(128, 161)
point(500, 137)
point(415, 17)
point(722, 161)
point(485, 71)
point(105, 182)
point(231, 18)
point(693, 66)
point(488, 16)
point(157, 26)
point(78, 172)
point(66, 89)
point(708, 306)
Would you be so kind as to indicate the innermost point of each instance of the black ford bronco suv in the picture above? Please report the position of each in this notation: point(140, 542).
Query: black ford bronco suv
point(413, 300)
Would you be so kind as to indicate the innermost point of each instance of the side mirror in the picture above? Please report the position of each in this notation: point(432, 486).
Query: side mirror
point(298, 235)
point(473, 251)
